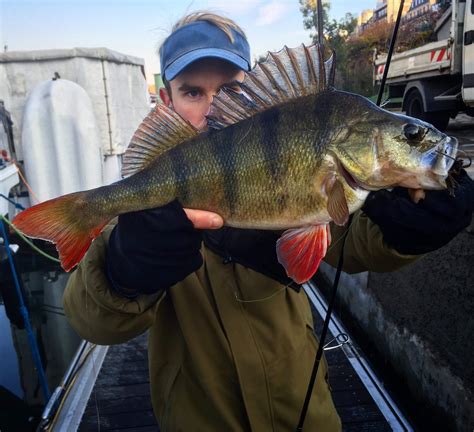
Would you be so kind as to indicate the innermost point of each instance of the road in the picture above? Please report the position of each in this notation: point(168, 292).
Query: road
point(462, 127)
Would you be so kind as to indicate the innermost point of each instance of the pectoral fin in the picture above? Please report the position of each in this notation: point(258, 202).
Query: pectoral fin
point(337, 203)
point(301, 250)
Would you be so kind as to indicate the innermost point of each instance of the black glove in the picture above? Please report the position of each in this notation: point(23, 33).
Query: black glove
point(255, 249)
point(151, 250)
point(414, 229)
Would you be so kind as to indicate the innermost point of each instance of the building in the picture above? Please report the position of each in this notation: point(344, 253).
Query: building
point(364, 17)
point(419, 8)
point(387, 11)
point(392, 9)
point(380, 13)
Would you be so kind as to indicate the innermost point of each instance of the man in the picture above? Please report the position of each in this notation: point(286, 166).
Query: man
point(219, 360)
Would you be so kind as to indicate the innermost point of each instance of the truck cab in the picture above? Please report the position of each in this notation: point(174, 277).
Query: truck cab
point(436, 80)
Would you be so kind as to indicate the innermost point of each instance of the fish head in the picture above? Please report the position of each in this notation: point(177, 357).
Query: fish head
point(378, 149)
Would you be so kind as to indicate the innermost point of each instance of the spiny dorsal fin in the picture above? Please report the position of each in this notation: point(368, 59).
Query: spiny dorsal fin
point(282, 76)
point(160, 131)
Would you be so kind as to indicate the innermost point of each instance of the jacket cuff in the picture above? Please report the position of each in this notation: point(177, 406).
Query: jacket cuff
point(127, 293)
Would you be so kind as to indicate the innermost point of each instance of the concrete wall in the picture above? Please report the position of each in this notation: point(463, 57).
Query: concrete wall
point(420, 322)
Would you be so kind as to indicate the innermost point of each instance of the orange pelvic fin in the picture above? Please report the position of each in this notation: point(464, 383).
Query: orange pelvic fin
point(65, 222)
point(337, 203)
point(301, 250)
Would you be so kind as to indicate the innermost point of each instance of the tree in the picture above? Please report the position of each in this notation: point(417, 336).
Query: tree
point(336, 35)
point(354, 53)
point(309, 9)
point(360, 49)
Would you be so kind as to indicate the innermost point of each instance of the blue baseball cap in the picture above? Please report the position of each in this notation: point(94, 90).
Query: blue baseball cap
point(198, 40)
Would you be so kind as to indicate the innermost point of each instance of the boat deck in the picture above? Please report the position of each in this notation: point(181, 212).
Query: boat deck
point(120, 400)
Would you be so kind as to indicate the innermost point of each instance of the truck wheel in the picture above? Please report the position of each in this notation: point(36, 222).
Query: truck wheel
point(414, 108)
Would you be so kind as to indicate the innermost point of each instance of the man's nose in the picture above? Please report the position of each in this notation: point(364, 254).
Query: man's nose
point(210, 98)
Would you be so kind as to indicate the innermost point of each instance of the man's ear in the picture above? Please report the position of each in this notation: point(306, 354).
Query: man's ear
point(165, 97)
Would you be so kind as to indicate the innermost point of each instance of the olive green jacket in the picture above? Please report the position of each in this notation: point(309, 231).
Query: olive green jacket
point(218, 361)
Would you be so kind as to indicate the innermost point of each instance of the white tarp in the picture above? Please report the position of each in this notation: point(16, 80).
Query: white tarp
point(60, 141)
point(114, 82)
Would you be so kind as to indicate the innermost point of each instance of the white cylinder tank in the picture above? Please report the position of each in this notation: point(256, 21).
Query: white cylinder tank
point(60, 140)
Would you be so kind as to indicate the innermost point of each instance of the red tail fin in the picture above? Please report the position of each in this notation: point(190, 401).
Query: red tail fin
point(64, 221)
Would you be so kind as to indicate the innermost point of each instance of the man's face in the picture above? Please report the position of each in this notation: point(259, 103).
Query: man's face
point(193, 89)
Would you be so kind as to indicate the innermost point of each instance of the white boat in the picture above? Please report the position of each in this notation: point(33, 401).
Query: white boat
point(8, 170)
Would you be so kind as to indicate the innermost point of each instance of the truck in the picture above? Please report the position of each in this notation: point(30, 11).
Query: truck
point(435, 82)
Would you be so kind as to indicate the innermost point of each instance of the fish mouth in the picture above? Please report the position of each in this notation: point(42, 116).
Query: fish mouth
point(437, 162)
point(445, 153)
point(352, 182)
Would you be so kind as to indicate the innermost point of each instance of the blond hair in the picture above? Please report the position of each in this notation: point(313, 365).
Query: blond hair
point(223, 23)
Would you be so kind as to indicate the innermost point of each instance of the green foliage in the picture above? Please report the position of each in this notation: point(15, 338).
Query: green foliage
point(336, 36)
point(355, 53)
point(310, 17)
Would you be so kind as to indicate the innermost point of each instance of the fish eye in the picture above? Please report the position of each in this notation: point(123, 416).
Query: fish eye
point(413, 132)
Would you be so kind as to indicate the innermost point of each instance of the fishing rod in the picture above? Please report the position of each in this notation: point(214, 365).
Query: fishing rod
point(390, 52)
point(320, 23)
point(340, 263)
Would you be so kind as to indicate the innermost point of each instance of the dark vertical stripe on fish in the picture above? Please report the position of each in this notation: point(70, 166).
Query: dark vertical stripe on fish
point(272, 149)
point(224, 151)
point(269, 121)
point(322, 121)
point(180, 170)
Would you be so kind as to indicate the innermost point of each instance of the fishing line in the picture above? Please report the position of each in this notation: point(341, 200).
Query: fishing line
point(460, 157)
point(30, 190)
point(340, 239)
point(31, 244)
point(240, 300)
point(309, 391)
point(463, 156)
point(68, 387)
point(15, 204)
point(444, 154)
point(34, 247)
point(319, 353)
point(246, 132)
point(54, 312)
point(95, 398)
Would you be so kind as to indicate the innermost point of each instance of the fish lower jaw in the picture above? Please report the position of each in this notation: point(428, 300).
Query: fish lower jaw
point(352, 181)
point(437, 182)
point(427, 181)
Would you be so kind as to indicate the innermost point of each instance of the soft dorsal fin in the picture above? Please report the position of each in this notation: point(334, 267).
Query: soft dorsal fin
point(161, 130)
point(282, 76)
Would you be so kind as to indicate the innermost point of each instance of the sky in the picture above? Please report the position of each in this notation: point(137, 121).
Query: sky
point(137, 27)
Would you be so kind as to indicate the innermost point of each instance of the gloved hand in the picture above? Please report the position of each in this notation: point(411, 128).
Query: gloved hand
point(151, 250)
point(414, 229)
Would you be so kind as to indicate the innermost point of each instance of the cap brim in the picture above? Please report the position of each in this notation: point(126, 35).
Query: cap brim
point(180, 64)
